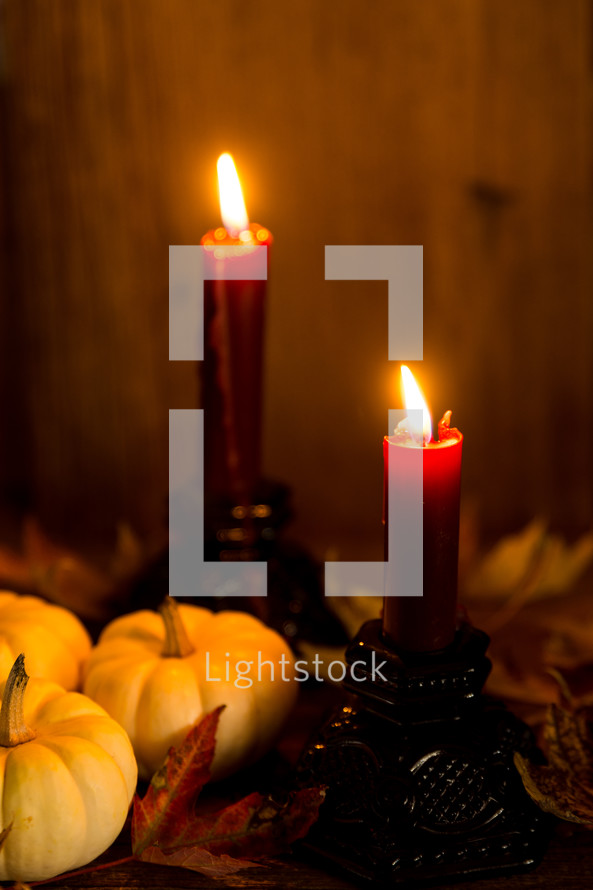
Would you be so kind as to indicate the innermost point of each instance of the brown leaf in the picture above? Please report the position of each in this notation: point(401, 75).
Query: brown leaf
point(555, 791)
point(67, 578)
point(198, 859)
point(56, 573)
point(564, 786)
point(129, 555)
point(166, 829)
point(532, 564)
point(15, 571)
point(568, 743)
point(63, 576)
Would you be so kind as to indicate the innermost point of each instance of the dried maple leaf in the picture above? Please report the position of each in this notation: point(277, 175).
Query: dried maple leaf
point(175, 786)
point(68, 579)
point(564, 786)
point(166, 829)
point(532, 564)
point(197, 859)
point(254, 826)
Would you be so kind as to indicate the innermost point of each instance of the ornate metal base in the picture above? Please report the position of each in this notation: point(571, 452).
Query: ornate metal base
point(419, 768)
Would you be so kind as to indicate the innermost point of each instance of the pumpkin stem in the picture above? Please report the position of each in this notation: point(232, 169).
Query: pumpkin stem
point(177, 642)
point(13, 729)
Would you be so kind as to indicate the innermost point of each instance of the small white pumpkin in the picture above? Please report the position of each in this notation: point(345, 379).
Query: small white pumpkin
point(67, 778)
point(157, 674)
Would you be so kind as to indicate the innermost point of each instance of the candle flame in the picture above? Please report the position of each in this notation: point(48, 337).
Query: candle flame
point(414, 399)
point(232, 205)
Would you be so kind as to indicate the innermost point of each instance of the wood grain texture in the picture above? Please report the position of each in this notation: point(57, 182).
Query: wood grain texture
point(462, 125)
point(568, 865)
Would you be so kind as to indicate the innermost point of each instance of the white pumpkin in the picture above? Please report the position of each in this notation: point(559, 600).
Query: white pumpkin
point(67, 777)
point(157, 674)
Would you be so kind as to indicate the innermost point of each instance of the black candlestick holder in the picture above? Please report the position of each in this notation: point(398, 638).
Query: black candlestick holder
point(246, 531)
point(294, 605)
point(418, 764)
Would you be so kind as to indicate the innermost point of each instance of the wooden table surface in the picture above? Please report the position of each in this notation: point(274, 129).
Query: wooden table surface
point(568, 864)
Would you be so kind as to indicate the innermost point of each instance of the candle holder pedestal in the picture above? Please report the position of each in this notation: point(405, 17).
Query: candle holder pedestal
point(245, 532)
point(418, 764)
point(295, 605)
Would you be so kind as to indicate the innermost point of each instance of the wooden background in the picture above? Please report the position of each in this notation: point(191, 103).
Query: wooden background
point(461, 125)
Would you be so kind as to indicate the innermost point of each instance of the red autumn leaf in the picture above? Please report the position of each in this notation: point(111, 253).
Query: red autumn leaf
point(165, 807)
point(254, 826)
point(166, 830)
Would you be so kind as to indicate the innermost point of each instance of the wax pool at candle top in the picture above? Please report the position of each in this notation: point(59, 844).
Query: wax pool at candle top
point(253, 235)
point(447, 434)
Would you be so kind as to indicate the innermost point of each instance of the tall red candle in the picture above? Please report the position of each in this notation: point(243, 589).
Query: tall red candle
point(428, 622)
point(234, 314)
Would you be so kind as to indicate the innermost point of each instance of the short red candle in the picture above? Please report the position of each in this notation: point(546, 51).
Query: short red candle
point(234, 314)
point(428, 622)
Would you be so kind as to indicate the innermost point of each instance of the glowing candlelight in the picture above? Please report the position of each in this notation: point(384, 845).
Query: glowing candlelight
point(426, 622)
point(232, 205)
point(234, 311)
point(414, 399)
